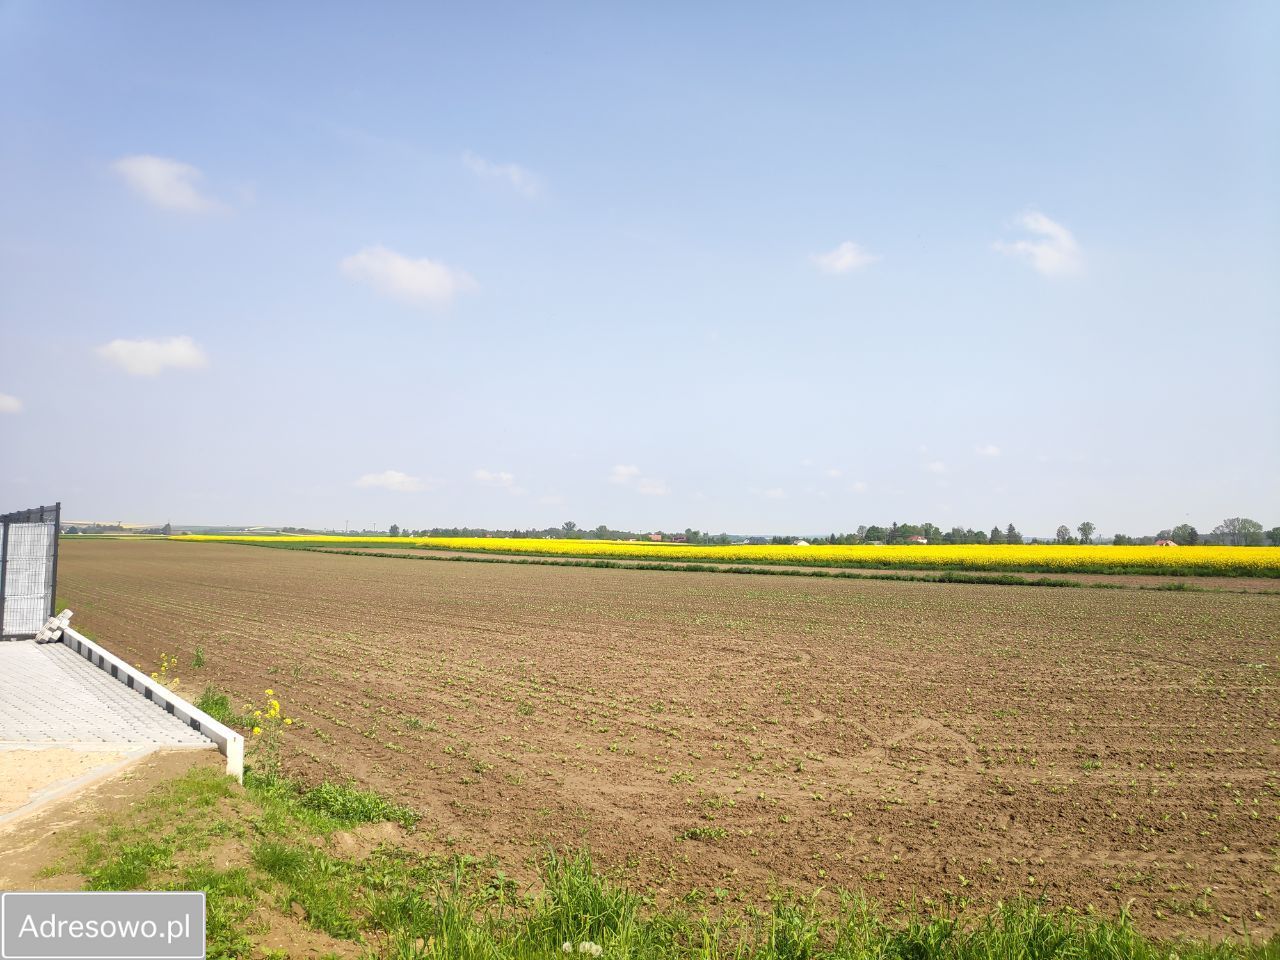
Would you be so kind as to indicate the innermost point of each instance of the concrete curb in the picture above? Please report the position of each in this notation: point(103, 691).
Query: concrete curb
point(230, 743)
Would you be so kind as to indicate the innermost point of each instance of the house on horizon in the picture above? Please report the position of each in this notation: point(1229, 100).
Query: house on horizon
point(918, 540)
point(1166, 543)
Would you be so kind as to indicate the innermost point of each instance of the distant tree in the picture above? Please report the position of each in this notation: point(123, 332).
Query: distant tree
point(1064, 534)
point(862, 533)
point(602, 532)
point(930, 531)
point(1239, 532)
point(568, 527)
point(1185, 534)
point(874, 533)
point(1011, 535)
point(1122, 540)
point(976, 536)
point(996, 535)
point(167, 530)
point(1086, 532)
point(395, 530)
point(1273, 536)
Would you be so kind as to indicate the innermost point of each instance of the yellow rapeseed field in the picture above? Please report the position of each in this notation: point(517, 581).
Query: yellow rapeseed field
point(1229, 561)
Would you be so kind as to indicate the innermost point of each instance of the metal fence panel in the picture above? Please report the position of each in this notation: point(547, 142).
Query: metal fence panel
point(28, 569)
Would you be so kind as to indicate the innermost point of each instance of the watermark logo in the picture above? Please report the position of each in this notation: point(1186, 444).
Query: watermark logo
point(102, 926)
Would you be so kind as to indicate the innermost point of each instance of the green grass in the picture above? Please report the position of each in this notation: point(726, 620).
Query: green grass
point(400, 903)
point(350, 806)
point(218, 706)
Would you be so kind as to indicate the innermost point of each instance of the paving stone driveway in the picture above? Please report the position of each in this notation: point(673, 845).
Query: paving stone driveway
point(50, 694)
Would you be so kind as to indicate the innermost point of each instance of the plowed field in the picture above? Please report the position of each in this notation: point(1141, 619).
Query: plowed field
point(730, 735)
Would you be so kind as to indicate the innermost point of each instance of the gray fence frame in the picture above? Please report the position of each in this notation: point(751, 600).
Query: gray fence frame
point(52, 515)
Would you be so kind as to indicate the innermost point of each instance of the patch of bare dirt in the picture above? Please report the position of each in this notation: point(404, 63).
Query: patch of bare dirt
point(26, 774)
point(34, 851)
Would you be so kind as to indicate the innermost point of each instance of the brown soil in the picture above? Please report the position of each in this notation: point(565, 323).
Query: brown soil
point(1130, 580)
point(960, 743)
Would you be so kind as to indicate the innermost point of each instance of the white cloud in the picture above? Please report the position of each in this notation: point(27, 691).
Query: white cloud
point(10, 403)
point(834, 472)
point(844, 259)
point(164, 183)
point(499, 480)
point(987, 450)
point(628, 475)
point(1054, 254)
point(495, 478)
point(523, 181)
point(392, 480)
point(774, 493)
point(859, 486)
point(623, 473)
point(146, 358)
point(936, 466)
point(401, 277)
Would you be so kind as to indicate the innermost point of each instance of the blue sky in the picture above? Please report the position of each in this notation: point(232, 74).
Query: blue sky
point(726, 266)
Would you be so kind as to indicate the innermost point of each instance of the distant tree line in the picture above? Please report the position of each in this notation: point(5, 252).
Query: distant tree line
point(116, 528)
point(95, 528)
point(904, 532)
point(1236, 531)
point(1232, 532)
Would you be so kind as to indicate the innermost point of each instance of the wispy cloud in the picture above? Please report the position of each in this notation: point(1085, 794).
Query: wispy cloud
point(392, 274)
point(623, 473)
point(935, 466)
point(859, 486)
point(146, 358)
point(844, 259)
point(165, 183)
point(987, 450)
point(833, 472)
point(1054, 253)
point(628, 475)
point(494, 478)
point(774, 493)
point(498, 479)
point(10, 403)
point(392, 480)
point(649, 487)
point(522, 181)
